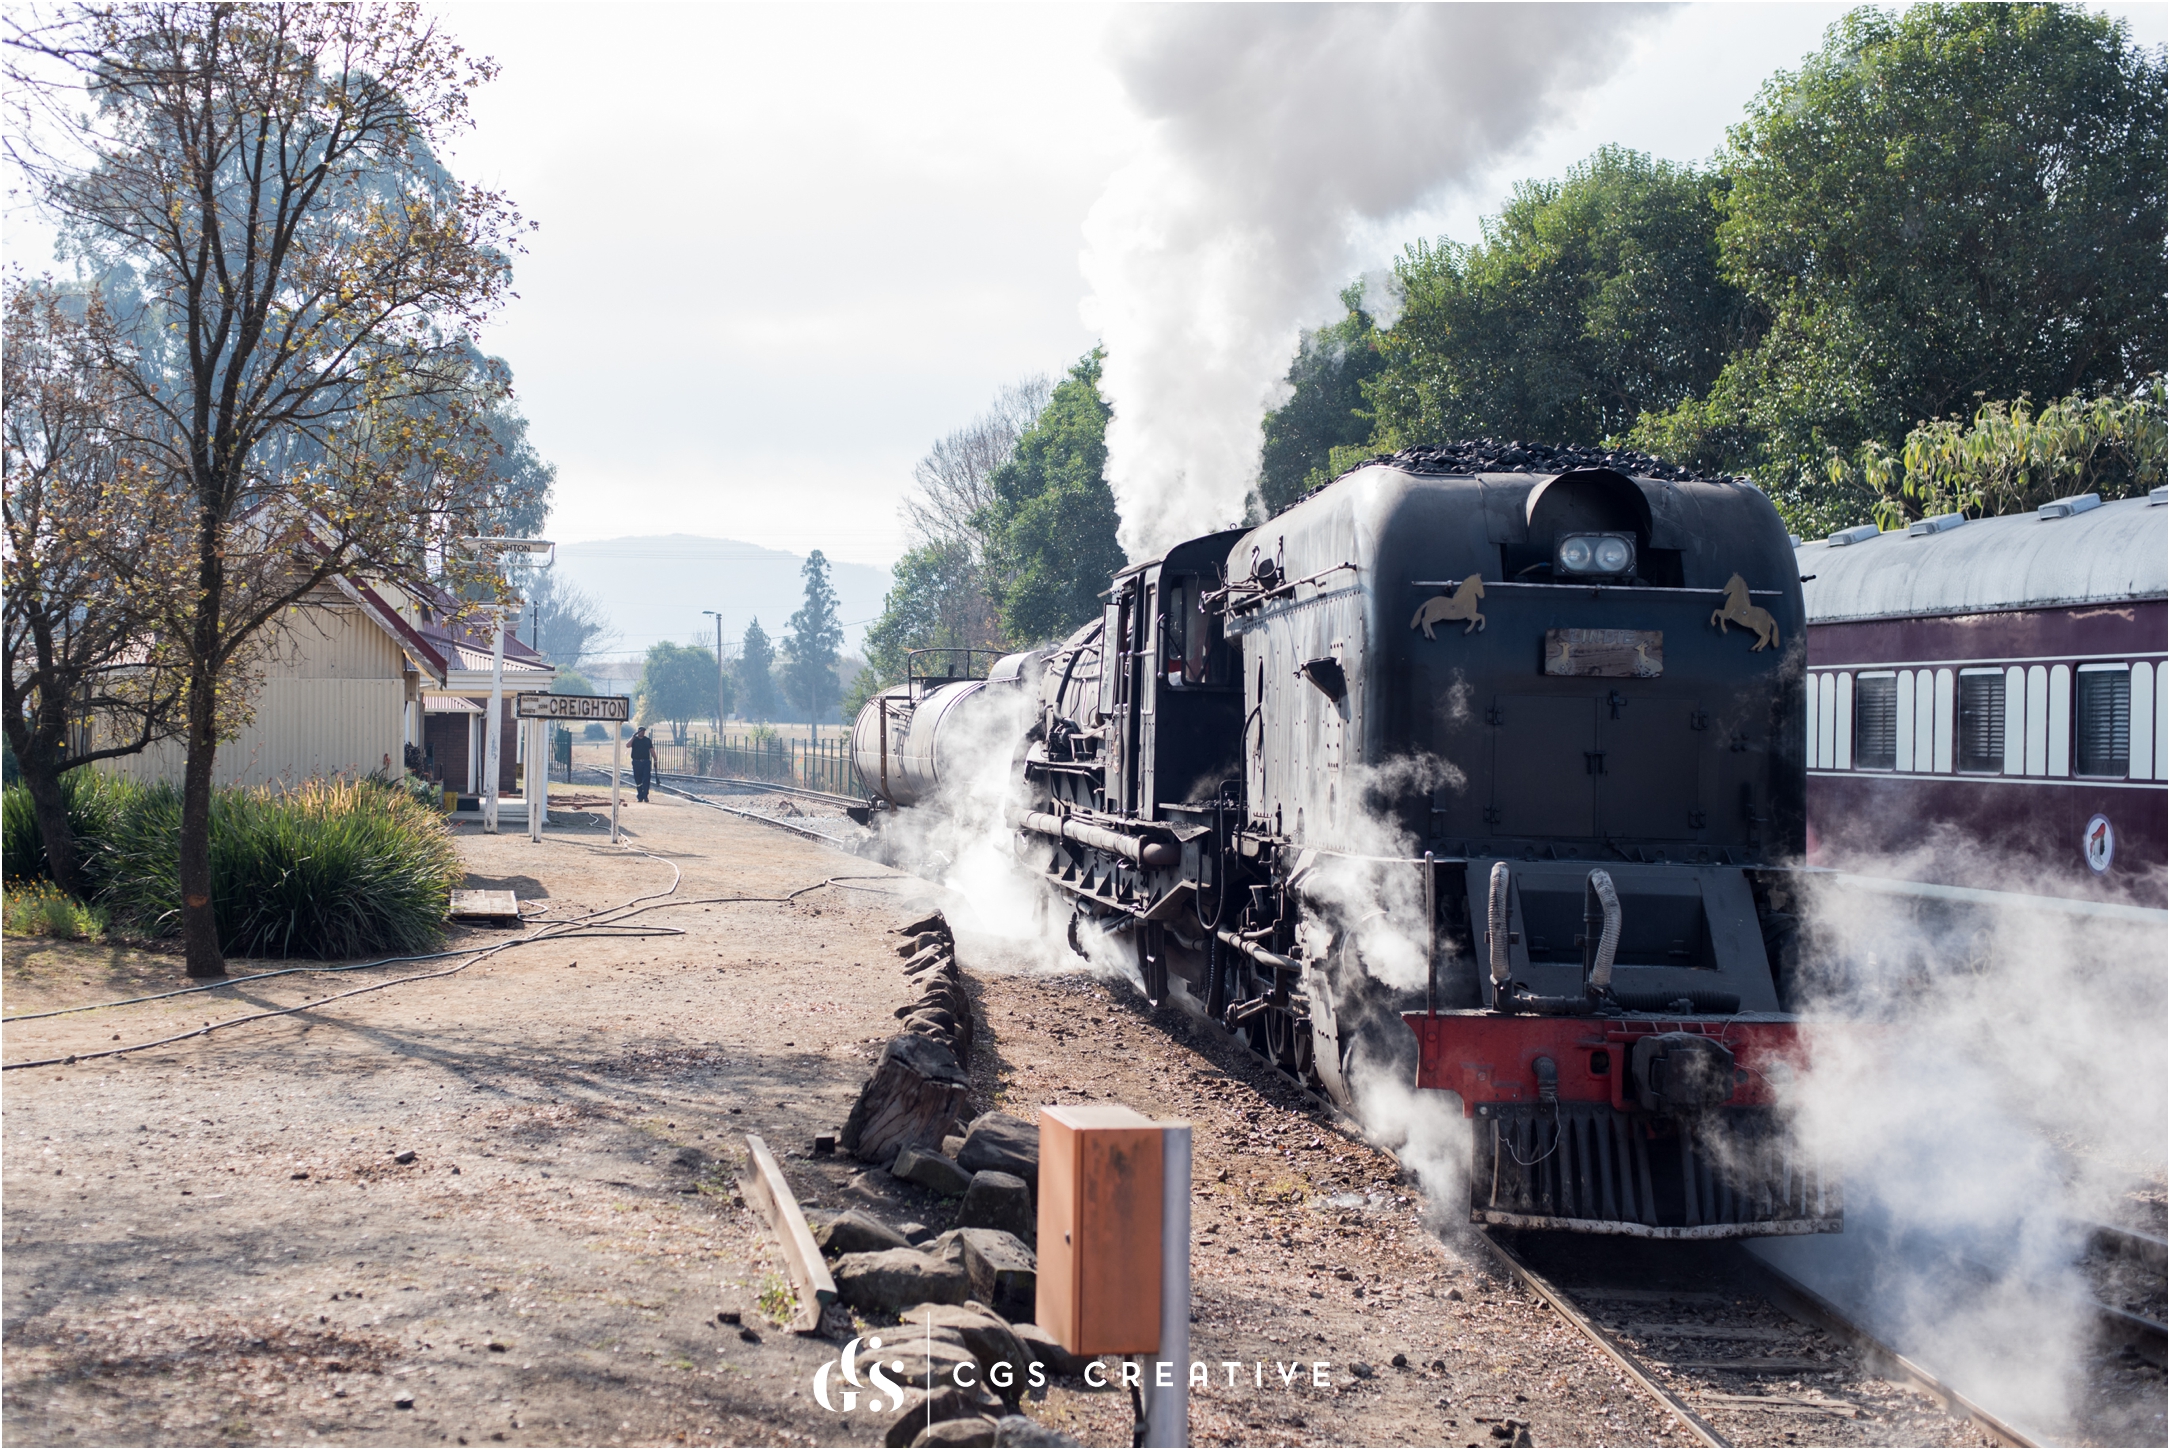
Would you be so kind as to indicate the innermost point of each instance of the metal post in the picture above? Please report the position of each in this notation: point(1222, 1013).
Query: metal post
point(617, 768)
point(1166, 1393)
point(538, 778)
point(496, 727)
point(1431, 950)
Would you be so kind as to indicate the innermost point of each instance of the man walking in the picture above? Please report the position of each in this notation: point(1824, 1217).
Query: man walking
point(644, 761)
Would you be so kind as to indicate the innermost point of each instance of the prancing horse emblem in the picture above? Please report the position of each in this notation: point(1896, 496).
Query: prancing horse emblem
point(1737, 610)
point(1445, 608)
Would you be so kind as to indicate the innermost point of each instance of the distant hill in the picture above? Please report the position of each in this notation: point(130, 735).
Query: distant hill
point(655, 587)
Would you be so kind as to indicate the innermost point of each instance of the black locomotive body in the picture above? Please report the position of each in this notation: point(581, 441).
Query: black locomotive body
point(1488, 777)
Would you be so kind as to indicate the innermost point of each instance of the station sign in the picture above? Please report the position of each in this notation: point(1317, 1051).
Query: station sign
point(538, 706)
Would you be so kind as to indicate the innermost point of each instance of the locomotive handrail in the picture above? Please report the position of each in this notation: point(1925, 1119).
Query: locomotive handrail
point(1258, 599)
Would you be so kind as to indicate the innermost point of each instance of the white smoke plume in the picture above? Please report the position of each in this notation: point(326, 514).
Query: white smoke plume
point(1276, 133)
point(1986, 1079)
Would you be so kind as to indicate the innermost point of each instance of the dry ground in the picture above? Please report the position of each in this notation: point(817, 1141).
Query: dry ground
point(215, 1242)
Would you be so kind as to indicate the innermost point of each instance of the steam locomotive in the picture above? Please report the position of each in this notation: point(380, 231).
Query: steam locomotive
point(1482, 764)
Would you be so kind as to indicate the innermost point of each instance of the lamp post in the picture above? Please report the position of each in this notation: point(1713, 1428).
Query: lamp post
point(495, 731)
point(717, 615)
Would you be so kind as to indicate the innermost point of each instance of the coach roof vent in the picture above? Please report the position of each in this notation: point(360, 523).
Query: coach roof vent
point(1587, 500)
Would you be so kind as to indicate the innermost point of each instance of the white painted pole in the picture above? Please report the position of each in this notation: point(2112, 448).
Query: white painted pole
point(496, 726)
point(538, 778)
point(1167, 1381)
point(617, 768)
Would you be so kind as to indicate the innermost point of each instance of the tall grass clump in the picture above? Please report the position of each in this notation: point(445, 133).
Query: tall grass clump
point(95, 801)
point(324, 869)
point(39, 908)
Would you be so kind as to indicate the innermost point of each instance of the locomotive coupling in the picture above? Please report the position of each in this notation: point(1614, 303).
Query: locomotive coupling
point(1681, 1072)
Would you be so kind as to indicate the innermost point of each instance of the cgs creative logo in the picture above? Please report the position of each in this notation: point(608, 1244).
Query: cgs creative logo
point(846, 1367)
point(839, 1383)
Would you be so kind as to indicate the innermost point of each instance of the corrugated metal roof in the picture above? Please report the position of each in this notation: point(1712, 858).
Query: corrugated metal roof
point(465, 658)
point(450, 705)
point(2020, 561)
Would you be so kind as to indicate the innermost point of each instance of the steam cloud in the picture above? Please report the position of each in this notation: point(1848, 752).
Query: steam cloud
point(1277, 134)
point(1986, 1080)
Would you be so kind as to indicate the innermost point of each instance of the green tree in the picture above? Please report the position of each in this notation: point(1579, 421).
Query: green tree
point(812, 646)
point(1325, 410)
point(1942, 204)
point(756, 672)
point(677, 684)
point(269, 176)
point(1053, 546)
point(1589, 301)
point(937, 600)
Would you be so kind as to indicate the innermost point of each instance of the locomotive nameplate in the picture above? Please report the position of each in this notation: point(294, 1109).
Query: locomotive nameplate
point(1620, 654)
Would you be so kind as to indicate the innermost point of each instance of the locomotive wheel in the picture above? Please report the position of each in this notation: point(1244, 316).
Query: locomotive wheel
point(1301, 1051)
point(1280, 1036)
point(1075, 945)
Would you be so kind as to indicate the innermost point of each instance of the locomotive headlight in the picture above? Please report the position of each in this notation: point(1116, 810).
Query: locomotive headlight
point(1595, 554)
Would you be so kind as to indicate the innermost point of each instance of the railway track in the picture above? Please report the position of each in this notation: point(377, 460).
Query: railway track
point(793, 826)
point(1735, 1351)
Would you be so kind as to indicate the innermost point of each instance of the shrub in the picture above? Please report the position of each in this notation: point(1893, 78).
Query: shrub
point(325, 869)
point(94, 802)
point(43, 909)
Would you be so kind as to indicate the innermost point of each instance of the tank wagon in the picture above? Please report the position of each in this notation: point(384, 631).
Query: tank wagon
point(1481, 764)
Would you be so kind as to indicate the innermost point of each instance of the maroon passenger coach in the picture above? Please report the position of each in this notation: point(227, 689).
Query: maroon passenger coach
point(1987, 704)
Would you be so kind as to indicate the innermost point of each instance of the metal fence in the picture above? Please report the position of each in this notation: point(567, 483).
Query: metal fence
point(812, 764)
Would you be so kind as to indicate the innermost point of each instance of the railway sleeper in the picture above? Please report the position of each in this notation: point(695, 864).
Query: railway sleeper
point(1726, 1173)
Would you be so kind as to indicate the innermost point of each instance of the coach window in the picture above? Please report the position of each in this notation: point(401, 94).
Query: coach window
point(1981, 720)
point(2105, 719)
point(1876, 720)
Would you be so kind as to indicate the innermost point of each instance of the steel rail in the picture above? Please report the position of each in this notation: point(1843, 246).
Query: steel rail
point(770, 787)
point(1621, 1356)
point(1790, 1297)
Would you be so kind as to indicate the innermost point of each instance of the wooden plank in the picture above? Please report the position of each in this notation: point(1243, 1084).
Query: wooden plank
point(1706, 1331)
point(765, 1188)
point(494, 905)
point(1755, 1365)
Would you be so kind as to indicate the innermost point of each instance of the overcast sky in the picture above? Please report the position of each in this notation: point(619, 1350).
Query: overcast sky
point(783, 248)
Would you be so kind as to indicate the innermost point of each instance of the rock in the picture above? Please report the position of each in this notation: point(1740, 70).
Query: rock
point(889, 1279)
point(933, 956)
point(1361, 1370)
point(1020, 1430)
point(1043, 1347)
point(914, 1232)
point(1401, 1361)
point(953, 1145)
point(1454, 1295)
point(1003, 1143)
point(999, 1201)
point(978, 1430)
point(405, 1155)
point(931, 1171)
point(932, 1359)
point(728, 1316)
point(824, 1144)
point(749, 1335)
point(916, 1090)
point(932, 922)
point(690, 1159)
point(404, 1402)
point(853, 1232)
point(949, 1403)
point(1001, 1270)
point(991, 1341)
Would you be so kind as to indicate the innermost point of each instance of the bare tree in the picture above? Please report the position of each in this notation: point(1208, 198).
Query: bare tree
point(85, 533)
point(568, 625)
point(268, 174)
point(954, 479)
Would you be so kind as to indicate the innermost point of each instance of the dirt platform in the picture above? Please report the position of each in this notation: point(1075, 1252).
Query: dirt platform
point(218, 1242)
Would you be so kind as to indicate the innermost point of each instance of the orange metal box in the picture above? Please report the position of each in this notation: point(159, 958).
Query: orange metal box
point(1099, 1249)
